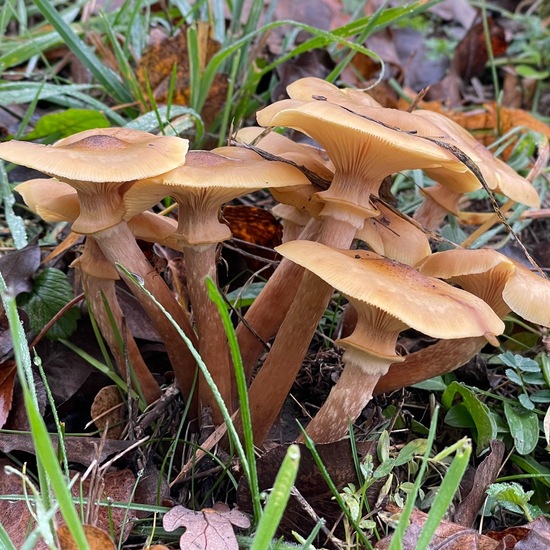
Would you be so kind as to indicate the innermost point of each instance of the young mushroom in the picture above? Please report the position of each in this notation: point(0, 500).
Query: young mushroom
point(200, 187)
point(388, 297)
point(501, 282)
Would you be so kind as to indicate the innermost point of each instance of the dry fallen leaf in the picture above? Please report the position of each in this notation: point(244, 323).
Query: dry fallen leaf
point(107, 411)
point(448, 536)
point(8, 370)
point(97, 539)
point(485, 474)
point(118, 486)
point(157, 65)
point(15, 516)
point(209, 529)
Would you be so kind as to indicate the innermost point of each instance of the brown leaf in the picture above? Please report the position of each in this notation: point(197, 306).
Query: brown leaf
point(118, 486)
point(97, 539)
point(257, 227)
point(157, 65)
point(533, 536)
point(209, 529)
point(8, 370)
point(486, 474)
point(471, 54)
point(79, 449)
point(448, 536)
point(108, 411)
point(18, 268)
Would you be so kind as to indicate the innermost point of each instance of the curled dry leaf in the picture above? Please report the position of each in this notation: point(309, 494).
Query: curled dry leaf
point(97, 539)
point(8, 371)
point(209, 529)
point(107, 412)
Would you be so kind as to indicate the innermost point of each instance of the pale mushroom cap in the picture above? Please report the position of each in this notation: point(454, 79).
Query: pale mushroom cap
point(444, 197)
point(310, 88)
point(101, 155)
point(376, 143)
point(395, 237)
point(460, 261)
point(154, 228)
point(209, 176)
point(497, 174)
point(52, 200)
point(524, 293)
point(528, 295)
point(428, 305)
point(311, 157)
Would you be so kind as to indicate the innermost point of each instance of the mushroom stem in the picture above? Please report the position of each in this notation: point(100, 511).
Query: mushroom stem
point(119, 246)
point(265, 315)
point(200, 262)
point(94, 288)
point(270, 388)
point(441, 358)
point(344, 403)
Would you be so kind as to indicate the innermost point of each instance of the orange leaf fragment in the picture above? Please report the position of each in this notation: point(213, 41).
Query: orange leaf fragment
point(97, 539)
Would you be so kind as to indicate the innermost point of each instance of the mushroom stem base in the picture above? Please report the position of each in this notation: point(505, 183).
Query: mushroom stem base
point(131, 356)
point(200, 262)
point(119, 246)
point(266, 314)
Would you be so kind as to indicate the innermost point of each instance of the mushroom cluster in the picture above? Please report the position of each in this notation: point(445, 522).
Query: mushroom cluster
point(339, 234)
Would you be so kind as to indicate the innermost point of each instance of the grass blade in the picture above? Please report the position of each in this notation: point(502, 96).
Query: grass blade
point(278, 499)
point(446, 492)
point(108, 79)
point(45, 453)
point(242, 391)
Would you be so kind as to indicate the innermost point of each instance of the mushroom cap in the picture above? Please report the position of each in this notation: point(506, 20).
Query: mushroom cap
point(52, 200)
point(395, 237)
point(497, 174)
point(523, 292)
point(204, 184)
point(366, 145)
point(312, 88)
point(213, 177)
point(444, 197)
point(426, 304)
point(311, 157)
point(154, 228)
point(100, 155)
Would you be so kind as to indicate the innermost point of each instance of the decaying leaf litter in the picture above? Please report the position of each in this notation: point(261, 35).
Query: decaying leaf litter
point(160, 445)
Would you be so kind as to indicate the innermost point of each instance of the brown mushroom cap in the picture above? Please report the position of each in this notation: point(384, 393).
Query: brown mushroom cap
point(312, 88)
point(364, 148)
point(52, 200)
point(100, 155)
point(426, 304)
point(498, 175)
point(311, 157)
point(203, 185)
point(503, 283)
point(395, 237)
